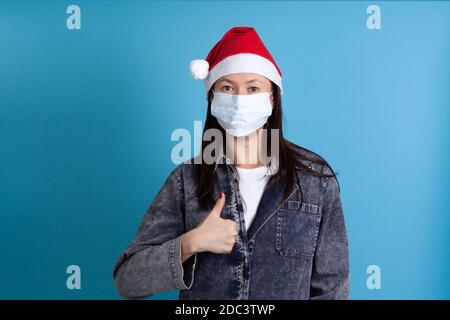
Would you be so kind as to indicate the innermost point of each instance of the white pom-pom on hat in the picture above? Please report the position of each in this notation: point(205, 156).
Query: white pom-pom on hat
point(199, 69)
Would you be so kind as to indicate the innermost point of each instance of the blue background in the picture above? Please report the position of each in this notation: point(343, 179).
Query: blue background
point(86, 118)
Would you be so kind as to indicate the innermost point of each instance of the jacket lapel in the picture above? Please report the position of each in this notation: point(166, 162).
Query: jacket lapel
point(269, 203)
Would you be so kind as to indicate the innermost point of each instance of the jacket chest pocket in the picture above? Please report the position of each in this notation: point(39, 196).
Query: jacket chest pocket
point(297, 229)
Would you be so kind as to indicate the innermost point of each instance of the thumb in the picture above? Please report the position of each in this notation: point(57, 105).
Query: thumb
point(217, 209)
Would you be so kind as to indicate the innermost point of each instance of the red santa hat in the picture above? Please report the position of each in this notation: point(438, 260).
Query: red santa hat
point(239, 50)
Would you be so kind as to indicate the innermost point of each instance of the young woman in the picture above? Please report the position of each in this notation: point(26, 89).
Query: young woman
point(232, 228)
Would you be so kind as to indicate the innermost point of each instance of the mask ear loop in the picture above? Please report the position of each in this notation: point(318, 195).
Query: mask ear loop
point(271, 93)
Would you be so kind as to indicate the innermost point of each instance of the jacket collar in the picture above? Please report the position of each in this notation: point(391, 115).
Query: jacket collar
point(271, 199)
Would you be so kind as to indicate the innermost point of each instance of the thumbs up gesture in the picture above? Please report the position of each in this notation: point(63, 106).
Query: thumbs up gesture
point(215, 234)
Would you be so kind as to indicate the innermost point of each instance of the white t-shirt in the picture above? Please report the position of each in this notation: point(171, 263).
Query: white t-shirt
point(251, 185)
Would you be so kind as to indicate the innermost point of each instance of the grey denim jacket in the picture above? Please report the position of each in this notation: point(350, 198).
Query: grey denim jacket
point(292, 250)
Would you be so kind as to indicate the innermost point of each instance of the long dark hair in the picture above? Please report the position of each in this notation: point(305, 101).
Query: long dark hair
point(291, 156)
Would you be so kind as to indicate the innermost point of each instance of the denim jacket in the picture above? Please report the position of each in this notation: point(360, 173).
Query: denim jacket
point(292, 249)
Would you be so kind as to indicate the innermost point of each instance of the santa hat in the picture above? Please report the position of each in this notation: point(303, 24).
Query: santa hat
point(239, 50)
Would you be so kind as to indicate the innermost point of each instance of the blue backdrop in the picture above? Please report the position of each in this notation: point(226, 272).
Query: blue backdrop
point(86, 118)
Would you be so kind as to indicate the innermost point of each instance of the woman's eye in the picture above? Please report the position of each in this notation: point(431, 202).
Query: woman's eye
point(227, 88)
point(253, 89)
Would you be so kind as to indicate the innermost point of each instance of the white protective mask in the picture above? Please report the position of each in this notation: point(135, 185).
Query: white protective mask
point(241, 114)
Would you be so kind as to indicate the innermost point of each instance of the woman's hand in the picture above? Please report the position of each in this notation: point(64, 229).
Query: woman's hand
point(214, 234)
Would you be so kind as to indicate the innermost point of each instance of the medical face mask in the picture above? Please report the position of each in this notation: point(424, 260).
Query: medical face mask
point(241, 114)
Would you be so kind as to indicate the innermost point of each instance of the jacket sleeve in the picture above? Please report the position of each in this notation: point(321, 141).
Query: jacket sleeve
point(330, 277)
point(151, 263)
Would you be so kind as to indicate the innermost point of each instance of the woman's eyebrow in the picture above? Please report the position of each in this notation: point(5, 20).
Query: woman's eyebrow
point(226, 80)
point(253, 80)
point(249, 81)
